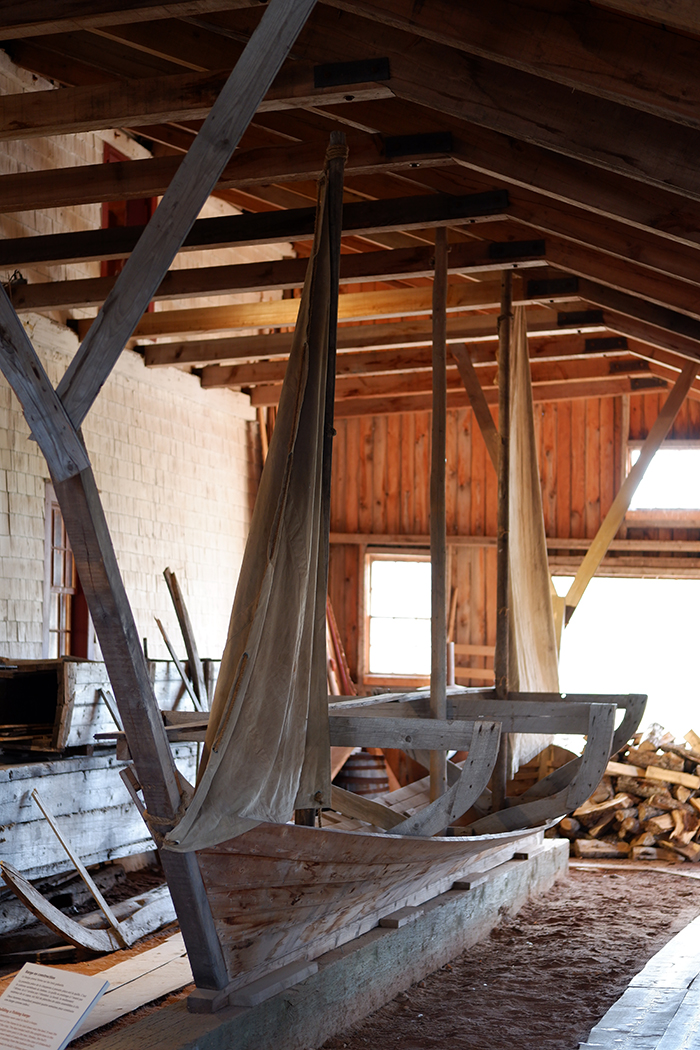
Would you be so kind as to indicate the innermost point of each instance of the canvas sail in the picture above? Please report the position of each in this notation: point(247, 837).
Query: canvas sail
point(533, 658)
point(267, 748)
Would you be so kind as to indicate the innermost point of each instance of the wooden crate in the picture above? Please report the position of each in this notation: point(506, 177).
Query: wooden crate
point(55, 705)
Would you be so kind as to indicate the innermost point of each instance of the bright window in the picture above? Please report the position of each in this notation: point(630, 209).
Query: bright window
point(637, 636)
point(671, 481)
point(399, 615)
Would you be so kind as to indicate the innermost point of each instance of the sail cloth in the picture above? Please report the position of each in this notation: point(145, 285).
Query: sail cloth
point(533, 660)
point(267, 747)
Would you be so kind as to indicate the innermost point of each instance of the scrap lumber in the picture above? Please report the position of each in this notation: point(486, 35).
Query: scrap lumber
point(183, 618)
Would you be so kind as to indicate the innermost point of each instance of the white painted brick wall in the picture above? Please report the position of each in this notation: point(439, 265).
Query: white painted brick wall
point(174, 465)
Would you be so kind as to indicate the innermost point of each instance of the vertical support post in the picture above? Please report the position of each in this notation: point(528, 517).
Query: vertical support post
point(336, 157)
point(505, 329)
point(438, 522)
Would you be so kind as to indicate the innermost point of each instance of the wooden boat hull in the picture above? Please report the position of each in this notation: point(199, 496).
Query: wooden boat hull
point(283, 893)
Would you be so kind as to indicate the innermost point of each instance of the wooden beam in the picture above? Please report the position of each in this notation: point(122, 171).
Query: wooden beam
point(409, 333)
point(356, 306)
point(616, 514)
point(181, 97)
point(33, 18)
point(680, 14)
point(553, 40)
point(479, 404)
point(650, 314)
point(130, 179)
point(554, 374)
point(397, 264)
point(187, 193)
point(438, 519)
point(402, 213)
point(625, 276)
point(512, 102)
point(571, 390)
point(565, 347)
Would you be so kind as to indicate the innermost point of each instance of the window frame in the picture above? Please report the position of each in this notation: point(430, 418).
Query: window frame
point(659, 517)
point(383, 554)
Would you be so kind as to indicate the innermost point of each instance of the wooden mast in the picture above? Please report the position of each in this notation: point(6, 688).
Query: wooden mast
point(337, 155)
point(438, 521)
point(505, 329)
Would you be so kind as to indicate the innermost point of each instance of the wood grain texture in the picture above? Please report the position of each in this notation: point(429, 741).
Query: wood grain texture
point(343, 882)
point(189, 189)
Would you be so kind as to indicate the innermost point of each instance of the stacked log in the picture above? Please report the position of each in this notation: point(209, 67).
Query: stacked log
point(646, 807)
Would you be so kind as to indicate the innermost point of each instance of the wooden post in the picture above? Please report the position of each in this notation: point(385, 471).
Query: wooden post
point(438, 522)
point(336, 157)
point(505, 329)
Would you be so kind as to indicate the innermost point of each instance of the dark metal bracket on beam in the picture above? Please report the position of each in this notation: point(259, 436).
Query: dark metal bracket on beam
point(601, 345)
point(336, 74)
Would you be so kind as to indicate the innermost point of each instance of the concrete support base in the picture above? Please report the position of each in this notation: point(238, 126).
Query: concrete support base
point(357, 978)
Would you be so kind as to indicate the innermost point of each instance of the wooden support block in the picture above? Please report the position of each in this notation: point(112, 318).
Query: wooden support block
point(401, 918)
point(205, 1001)
point(527, 854)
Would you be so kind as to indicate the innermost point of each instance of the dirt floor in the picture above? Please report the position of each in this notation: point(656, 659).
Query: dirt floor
point(545, 976)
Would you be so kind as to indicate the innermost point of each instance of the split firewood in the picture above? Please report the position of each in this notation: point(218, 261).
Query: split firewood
point(601, 848)
point(596, 830)
point(636, 786)
point(645, 838)
point(695, 803)
point(664, 800)
point(658, 825)
point(685, 826)
point(655, 853)
point(569, 827)
point(591, 813)
point(691, 851)
point(637, 756)
point(669, 760)
point(693, 739)
point(647, 812)
point(682, 794)
point(604, 791)
point(629, 826)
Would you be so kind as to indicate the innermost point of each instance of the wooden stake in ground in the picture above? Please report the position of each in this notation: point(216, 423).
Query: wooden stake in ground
point(438, 521)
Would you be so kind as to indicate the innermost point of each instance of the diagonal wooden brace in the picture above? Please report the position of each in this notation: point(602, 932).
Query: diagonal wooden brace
point(191, 186)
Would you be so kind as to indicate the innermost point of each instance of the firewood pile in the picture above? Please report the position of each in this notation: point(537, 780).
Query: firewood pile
point(646, 807)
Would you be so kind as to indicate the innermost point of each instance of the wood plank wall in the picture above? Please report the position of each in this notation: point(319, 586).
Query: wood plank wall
point(381, 478)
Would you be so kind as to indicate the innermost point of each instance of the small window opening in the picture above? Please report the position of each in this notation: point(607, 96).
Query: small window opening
point(670, 482)
point(399, 615)
point(68, 629)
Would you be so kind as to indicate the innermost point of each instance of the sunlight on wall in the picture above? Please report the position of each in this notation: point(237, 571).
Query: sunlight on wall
point(637, 636)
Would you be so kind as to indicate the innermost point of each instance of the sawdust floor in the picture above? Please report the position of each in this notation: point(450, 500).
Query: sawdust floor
point(545, 976)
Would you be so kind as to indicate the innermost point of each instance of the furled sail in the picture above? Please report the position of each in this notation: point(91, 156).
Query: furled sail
point(533, 659)
point(267, 748)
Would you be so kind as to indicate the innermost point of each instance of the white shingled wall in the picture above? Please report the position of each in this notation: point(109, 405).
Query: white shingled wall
point(176, 467)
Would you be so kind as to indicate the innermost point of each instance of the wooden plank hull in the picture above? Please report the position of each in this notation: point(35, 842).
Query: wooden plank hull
point(281, 893)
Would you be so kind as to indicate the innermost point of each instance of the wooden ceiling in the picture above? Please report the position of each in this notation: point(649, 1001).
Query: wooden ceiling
point(559, 138)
